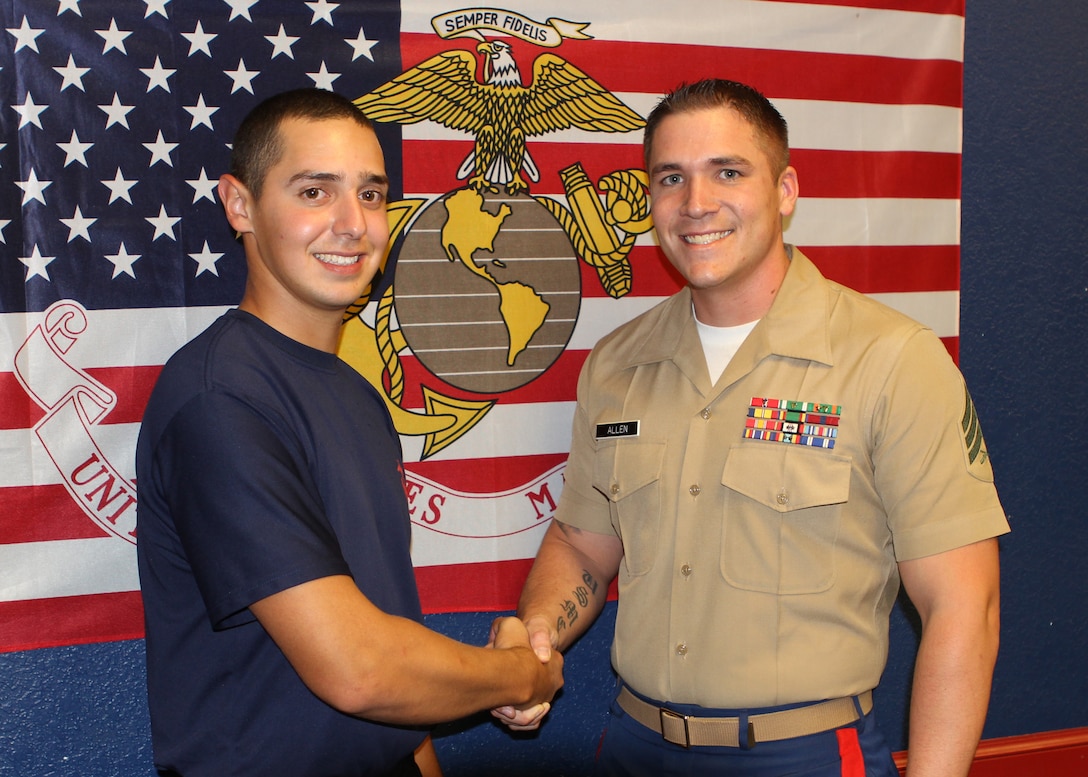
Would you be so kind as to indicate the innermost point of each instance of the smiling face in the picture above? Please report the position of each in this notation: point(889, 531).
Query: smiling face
point(717, 203)
point(316, 235)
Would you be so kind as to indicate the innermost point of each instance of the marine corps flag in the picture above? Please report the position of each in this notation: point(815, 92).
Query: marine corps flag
point(521, 222)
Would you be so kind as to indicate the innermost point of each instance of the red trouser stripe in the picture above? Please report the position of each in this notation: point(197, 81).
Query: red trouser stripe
point(853, 764)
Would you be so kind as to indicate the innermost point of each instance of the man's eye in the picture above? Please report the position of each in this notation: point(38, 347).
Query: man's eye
point(669, 180)
point(312, 193)
point(371, 196)
point(730, 174)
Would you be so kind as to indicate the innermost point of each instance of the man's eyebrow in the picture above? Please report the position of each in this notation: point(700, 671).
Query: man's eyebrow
point(314, 175)
point(377, 179)
point(717, 161)
point(730, 161)
point(373, 179)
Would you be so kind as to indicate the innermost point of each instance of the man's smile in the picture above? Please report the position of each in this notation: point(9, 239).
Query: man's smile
point(706, 238)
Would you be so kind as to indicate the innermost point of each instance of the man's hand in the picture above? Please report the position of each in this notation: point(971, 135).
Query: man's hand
point(511, 632)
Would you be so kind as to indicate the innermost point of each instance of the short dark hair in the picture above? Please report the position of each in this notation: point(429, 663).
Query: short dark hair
point(756, 109)
point(258, 144)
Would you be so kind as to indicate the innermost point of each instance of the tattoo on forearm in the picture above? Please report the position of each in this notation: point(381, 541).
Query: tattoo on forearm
point(581, 597)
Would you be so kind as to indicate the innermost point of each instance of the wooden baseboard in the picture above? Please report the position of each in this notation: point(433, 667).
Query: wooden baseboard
point(1061, 753)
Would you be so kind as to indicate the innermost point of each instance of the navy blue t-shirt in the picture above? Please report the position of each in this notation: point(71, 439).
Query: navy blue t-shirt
point(262, 464)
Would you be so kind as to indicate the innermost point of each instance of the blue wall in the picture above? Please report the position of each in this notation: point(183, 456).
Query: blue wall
point(1024, 331)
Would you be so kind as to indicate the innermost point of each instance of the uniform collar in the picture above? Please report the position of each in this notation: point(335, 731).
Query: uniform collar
point(796, 327)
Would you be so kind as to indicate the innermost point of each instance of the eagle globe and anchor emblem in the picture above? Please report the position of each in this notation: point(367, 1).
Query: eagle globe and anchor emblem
point(490, 261)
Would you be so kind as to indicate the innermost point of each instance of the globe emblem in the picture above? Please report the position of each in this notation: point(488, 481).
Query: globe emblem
point(487, 290)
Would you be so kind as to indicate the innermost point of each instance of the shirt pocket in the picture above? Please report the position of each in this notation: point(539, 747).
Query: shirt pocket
point(781, 524)
point(628, 473)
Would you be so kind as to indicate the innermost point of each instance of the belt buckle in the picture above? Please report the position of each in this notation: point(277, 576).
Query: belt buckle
point(666, 714)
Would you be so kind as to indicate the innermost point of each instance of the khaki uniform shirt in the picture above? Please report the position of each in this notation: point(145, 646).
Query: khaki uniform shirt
point(759, 572)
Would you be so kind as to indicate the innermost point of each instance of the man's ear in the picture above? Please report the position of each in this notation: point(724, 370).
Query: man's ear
point(788, 190)
point(236, 200)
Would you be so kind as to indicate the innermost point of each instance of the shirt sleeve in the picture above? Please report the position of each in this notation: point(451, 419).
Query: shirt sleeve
point(932, 467)
point(247, 512)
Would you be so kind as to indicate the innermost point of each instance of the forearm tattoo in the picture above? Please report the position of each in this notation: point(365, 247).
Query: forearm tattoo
point(581, 597)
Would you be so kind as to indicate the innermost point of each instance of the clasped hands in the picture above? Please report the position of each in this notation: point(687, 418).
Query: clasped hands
point(511, 632)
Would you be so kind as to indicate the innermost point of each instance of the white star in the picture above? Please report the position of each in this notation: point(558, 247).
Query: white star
point(123, 261)
point(3, 225)
point(115, 38)
point(202, 114)
point(323, 78)
point(25, 36)
point(242, 78)
point(205, 261)
point(36, 264)
point(281, 43)
point(29, 112)
point(199, 40)
point(69, 5)
point(78, 226)
point(160, 151)
point(240, 8)
point(157, 75)
point(33, 189)
point(361, 46)
point(119, 188)
point(203, 187)
point(73, 76)
point(322, 11)
point(156, 6)
point(116, 113)
point(75, 151)
point(163, 224)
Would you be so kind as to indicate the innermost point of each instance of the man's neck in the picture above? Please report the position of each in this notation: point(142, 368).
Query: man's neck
point(737, 304)
point(318, 331)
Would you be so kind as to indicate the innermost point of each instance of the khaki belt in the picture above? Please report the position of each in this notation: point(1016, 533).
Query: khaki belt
point(688, 730)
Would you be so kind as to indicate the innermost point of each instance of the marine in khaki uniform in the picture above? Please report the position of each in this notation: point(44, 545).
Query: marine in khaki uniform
point(762, 460)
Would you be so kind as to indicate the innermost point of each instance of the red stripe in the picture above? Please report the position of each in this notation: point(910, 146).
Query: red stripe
point(43, 513)
point(853, 763)
point(17, 409)
point(132, 385)
point(431, 166)
point(656, 68)
point(494, 585)
point(484, 476)
point(954, 7)
point(882, 269)
point(912, 174)
point(70, 620)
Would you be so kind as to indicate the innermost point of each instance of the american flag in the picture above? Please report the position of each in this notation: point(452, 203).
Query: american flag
point(116, 118)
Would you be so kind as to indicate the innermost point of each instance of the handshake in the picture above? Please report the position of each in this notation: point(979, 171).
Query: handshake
point(547, 668)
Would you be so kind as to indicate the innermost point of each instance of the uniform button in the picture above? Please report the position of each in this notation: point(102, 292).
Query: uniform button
point(686, 570)
point(694, 490)
point(615, 489)
point(706, 414)
point(783, 497)
point(682, 649)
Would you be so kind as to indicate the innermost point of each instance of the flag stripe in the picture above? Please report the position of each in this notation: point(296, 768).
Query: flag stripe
point(55, 516)
point(815, 125)
point(70, 620)
point(822, 173)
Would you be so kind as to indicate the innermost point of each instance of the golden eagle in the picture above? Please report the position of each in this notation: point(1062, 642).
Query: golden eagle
point(501, 112)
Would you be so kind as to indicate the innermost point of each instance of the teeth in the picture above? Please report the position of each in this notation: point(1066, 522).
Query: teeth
point(702, 240)
point(341, 261)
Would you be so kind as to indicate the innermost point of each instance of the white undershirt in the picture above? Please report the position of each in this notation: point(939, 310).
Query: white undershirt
point(720, 344)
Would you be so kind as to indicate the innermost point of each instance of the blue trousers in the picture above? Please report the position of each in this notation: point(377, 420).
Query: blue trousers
point(629, 749)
